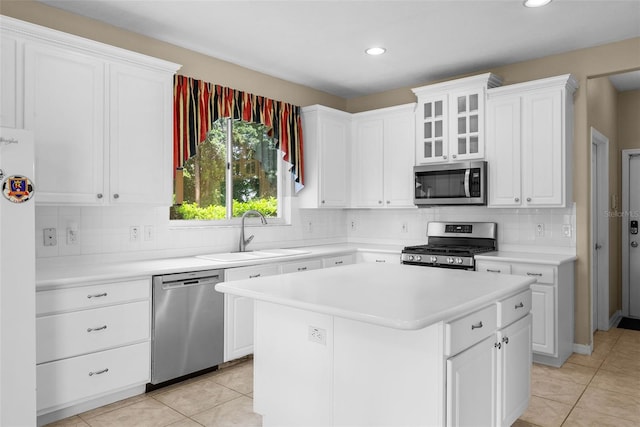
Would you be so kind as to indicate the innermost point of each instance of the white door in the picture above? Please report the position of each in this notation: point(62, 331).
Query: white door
point(631, 224)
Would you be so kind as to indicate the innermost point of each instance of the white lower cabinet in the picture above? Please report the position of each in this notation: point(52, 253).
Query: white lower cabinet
point(92, 341)
point(488, 373)
point(552, 303)
point(238, 312)
point(69, 381)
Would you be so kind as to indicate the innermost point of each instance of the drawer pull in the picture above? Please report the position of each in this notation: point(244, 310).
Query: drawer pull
point(105, 370)
point(381, 260)
point(519, 305)
point(534, 274)
point(493, 271)
point(302, 268)
point(477, 325)
point(254, 276)
point(104, 294)
point(100, 328)
point(339, 262)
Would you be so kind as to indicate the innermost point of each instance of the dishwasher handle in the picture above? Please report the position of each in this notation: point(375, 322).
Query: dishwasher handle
point(205, 281)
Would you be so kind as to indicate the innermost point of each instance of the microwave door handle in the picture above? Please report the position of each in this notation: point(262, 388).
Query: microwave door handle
point(467, 190)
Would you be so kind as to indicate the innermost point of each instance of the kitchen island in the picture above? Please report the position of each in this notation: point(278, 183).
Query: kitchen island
point(379, 344)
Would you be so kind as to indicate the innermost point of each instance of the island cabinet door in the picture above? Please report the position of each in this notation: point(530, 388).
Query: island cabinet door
point(514, 371)
point(471, 386)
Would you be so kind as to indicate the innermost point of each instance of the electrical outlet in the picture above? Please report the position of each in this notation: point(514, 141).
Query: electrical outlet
point(149, 232)
point(134, 233)
point(566, 230)
point(318, 335)
point(540, 230)
point(72, 236)
point(405, 227)
point(50, 237)
point(353, 225)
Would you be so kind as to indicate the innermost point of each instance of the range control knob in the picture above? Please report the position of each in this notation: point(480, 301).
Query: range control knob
point(458, 260)
point(450, 260)
point(433, 259)
point(410, 257)
point(418, 257)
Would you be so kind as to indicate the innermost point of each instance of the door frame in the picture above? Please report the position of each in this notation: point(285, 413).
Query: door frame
point(624, 238)
point(600, 231)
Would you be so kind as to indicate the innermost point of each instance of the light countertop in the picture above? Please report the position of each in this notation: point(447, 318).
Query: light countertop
point(392, 295)
point(528, 257)
point(52, 275)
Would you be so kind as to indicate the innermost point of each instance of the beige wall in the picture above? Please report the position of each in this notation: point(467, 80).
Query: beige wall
point(602, 115)
point(582, 64)
point(629, 120)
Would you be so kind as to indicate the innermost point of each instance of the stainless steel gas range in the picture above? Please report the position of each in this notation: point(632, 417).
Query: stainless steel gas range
point(453, 245)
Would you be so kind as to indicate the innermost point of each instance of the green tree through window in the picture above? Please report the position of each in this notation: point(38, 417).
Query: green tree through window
point(254, 177)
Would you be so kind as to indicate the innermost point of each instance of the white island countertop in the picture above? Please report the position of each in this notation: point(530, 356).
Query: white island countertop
point(396, 296)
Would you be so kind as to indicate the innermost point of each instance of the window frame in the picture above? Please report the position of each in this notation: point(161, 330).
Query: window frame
point(284, 189)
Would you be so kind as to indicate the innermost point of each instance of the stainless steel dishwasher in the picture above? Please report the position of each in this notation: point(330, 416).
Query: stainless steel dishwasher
point(188, 324)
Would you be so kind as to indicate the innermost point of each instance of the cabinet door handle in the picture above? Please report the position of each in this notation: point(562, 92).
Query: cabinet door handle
point(519, 305)
point(534, 274)
point(477, 325)
point(116, 196)
point(528, 199)
point(505, 340)
point(99, 328)
point(498, 345)
point(104, 294)
point(444, 157)
point(98, 372)
point(254, 276)
point(99, 195)
point(493, 271)
point(454, 156)
point(517, 199)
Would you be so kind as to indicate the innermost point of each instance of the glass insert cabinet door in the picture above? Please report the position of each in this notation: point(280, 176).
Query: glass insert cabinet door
point(433, 128)
point(466, 119)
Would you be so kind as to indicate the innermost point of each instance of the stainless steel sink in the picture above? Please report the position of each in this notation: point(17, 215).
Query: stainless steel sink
point(252, 255)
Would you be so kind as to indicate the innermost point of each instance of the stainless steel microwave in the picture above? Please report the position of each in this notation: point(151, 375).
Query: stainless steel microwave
point(460, 183)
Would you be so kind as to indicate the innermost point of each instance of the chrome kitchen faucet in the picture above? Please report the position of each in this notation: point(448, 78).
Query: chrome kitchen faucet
point(242, 245)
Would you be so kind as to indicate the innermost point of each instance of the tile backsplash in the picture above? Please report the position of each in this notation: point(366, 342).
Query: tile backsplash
point(105, 232)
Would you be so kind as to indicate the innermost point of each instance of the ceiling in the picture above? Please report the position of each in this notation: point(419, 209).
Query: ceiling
point(321, 44)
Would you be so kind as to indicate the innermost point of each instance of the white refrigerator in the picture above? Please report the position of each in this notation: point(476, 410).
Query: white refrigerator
point(17, 279)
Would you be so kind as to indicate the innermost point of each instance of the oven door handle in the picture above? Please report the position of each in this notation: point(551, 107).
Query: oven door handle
point(467, 190)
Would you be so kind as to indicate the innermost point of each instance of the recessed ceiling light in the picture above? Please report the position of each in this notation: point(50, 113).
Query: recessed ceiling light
point(373, 51)
point(536, 3)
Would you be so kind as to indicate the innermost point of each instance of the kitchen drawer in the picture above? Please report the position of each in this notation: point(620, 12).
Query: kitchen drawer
point(464, 332)
point(241, 273)
point(82, 297)
point(493, 267)
point(79, 378)
point(542, 273)
point(513, 308)
point(338, 260)
point(293, 267)
point(379, 257)
point(80, 332)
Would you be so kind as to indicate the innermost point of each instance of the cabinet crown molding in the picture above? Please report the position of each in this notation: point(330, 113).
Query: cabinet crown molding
point(489, 80)
point(40, 33)
point(568, 81)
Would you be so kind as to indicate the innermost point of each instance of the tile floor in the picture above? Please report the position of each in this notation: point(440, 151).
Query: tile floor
point(602, 389)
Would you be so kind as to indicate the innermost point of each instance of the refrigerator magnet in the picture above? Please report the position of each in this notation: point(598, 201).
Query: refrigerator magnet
point(17, 189)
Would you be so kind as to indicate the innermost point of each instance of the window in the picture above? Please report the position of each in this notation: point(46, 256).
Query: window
point(207, 190)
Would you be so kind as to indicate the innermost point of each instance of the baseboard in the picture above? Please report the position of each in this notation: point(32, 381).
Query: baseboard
point(615, 319)
point(583, 349)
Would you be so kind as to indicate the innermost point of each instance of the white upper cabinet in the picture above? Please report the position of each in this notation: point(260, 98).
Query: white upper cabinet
point(8, 81)
point(382, 158)
point(101, 116)
point(450, 119)
point(326, 155)
point(529, 143)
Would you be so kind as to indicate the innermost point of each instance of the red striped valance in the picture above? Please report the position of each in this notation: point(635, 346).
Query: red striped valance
point(197, 104)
